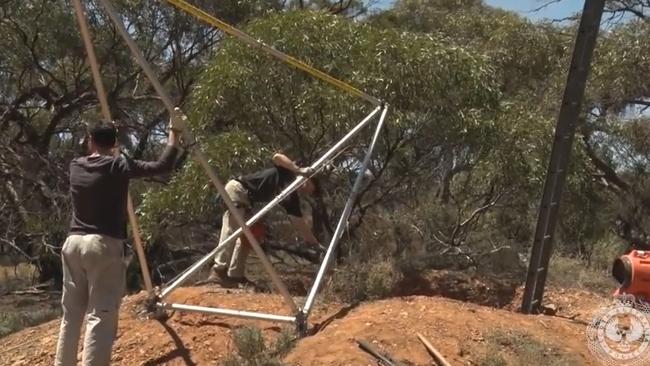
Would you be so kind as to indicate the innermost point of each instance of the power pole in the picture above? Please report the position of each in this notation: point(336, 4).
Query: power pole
point(561, 154)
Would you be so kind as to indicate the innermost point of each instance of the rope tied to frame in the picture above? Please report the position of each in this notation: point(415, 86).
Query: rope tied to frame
point(229, 29)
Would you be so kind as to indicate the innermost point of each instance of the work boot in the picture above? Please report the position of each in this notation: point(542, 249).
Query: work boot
point(242, 282)
point(220, 277)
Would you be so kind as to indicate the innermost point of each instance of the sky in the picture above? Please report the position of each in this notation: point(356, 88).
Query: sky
point(559, 10)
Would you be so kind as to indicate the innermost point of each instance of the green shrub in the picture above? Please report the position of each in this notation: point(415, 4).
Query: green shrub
point(366, 281)
point(604, 251)
point(381, 279)
point(14, 322)
point(9, 323)
point(252, 350)
point(492, 358)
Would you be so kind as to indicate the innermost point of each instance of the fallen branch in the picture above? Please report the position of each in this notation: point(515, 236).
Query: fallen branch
point(437, 356)
point(34, 292)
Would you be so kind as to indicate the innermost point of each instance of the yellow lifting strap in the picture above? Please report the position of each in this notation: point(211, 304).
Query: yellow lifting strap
point(229, 29)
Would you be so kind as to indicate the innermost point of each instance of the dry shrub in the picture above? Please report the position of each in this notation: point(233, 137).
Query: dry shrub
point(252, 350)
point(373, 280)
point(520, 348)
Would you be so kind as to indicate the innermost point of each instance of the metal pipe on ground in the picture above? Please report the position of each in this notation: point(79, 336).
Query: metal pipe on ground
point(382, 359)
point(228, 312)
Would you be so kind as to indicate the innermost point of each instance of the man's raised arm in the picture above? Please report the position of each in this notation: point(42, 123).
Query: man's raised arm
point(165, 163)
point(284, 162)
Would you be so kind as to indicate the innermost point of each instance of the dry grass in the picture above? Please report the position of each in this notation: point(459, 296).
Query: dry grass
point(518, 348)
point(18, 312)
point(13, 322)
point(574, 273)
point(371, 280)
point(16, 277)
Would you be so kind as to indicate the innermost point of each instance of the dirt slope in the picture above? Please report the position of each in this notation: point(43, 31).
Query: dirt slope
point(456, 328)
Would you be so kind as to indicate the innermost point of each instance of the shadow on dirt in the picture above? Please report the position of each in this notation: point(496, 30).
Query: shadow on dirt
point(342, 313)
point(180, 352)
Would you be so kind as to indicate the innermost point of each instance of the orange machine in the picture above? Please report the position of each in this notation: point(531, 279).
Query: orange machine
point(632, 271)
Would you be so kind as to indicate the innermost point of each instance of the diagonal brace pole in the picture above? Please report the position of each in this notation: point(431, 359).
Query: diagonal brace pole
point(343, 220)
point(287, 191)
point(198, 154)
point(106, 112)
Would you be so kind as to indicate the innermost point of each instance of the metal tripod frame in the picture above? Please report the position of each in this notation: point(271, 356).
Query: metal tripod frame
point(298, 316)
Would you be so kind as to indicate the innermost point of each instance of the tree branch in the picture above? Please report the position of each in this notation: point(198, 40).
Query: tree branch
point(609, 173)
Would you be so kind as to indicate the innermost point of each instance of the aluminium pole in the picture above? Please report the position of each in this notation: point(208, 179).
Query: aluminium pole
point(229, 312)
point(338, 233)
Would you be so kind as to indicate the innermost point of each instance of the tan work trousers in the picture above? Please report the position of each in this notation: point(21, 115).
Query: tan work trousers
point(93, 285)
point(233, 256)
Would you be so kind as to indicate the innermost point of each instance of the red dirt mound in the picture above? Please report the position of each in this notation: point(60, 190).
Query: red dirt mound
point(192, 339)
point(457, 329)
